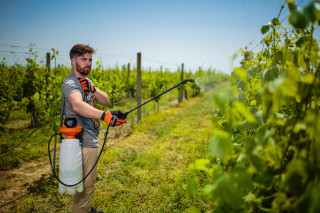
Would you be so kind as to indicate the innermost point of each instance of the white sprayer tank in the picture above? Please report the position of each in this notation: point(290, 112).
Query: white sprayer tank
point(70, 166)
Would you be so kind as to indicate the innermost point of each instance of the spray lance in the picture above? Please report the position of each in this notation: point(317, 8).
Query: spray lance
point(182, 82)
point(70, 131)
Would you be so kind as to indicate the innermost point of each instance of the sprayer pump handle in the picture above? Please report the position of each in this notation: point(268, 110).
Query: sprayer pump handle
point(70, 122)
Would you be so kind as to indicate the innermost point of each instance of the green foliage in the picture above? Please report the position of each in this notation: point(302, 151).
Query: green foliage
point(29, 87)
point(6, 97)
point(10, 90)
point(300, 18)
point(264, 156)
point(272, 24)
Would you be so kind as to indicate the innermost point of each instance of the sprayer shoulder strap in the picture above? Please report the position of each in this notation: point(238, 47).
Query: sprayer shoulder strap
point(62, 109)
point(76, 81)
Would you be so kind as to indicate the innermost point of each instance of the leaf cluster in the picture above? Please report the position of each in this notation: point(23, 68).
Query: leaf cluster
point(264, 155)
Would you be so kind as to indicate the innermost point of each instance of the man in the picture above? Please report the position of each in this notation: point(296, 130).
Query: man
point(80, 95)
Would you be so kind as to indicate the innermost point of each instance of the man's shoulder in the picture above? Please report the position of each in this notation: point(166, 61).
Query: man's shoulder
point(70, 77)
point(71, 80)
point(71, 84)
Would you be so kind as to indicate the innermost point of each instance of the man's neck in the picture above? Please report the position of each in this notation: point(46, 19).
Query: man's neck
point(77, 74)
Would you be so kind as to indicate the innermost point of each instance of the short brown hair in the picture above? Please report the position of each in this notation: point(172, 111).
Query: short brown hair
point(80, 49)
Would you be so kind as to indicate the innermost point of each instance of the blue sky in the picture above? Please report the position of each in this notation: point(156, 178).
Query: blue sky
point(197, 33)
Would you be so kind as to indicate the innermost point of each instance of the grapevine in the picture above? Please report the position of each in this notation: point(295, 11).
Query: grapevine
point(264, 154)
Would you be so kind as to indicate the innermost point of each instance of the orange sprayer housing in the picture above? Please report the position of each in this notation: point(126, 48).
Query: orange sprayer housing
point(70, 133)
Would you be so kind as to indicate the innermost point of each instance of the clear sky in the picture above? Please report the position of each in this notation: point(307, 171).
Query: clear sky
point(197, 33)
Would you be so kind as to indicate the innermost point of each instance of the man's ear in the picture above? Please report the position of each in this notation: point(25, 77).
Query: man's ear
point(73, 61)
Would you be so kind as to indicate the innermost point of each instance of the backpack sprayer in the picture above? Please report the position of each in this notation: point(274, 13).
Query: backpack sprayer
point(70, 169)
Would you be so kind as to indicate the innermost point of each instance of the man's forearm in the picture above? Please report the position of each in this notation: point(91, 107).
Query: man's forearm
point(82, 108)
point(101, 97)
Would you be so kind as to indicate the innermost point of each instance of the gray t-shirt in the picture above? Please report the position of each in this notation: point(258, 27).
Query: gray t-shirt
point(90, 127)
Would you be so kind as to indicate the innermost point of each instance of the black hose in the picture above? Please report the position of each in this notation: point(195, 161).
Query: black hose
point(53, 165)
point(24, 139)
point(182, 82)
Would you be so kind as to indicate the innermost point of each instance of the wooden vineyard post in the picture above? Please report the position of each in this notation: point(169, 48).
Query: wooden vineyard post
point(144, 100)
point(47, 77)
point(139, 86)
point(130, 109)
point(181, 88)
point(128, 79)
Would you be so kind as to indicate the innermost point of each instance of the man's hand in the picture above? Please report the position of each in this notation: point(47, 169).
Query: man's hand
point(114, 118)
point(119, 114)
point(86, 86)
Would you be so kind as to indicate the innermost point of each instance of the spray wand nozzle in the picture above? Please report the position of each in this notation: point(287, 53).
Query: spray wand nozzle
point(188, 80)
point(182, 82)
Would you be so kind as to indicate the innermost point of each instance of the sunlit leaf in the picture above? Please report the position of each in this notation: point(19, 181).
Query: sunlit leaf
point(221, 98)
point(241, 73)
point(200, 164)
point(220, 146)
point(245, 112)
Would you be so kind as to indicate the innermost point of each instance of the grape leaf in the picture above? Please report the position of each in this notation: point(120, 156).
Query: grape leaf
point(265, 28)
point(220, 146)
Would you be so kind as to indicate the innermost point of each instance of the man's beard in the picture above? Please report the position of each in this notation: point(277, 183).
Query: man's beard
point(83, 71)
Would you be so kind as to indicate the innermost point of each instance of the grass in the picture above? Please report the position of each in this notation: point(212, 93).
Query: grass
point(33, 148)
point(147, 172)
point(144, 170)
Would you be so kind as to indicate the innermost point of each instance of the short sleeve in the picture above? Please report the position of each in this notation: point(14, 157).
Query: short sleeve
point(69, 86)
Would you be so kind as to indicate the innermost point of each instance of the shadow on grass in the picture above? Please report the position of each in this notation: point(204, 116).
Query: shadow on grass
point(45, 184)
